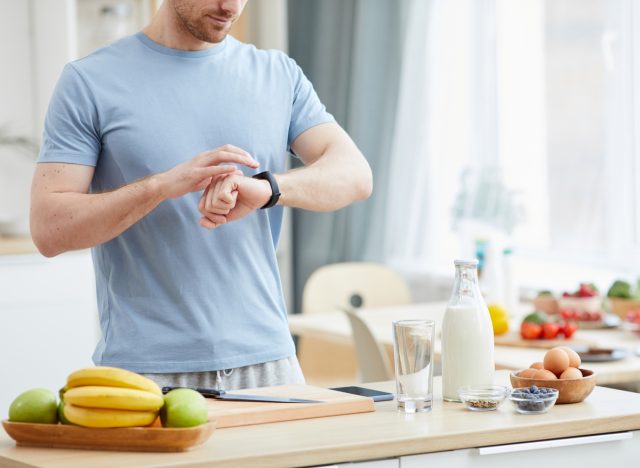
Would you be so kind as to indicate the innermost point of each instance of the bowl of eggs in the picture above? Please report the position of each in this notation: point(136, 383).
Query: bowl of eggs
point(561, 370)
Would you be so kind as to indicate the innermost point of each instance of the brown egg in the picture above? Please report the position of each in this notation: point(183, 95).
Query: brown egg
point(537, 365)
point(571, 373)
point(527, 373)
point(556, 360)
point(543, 374)
point(574, 358)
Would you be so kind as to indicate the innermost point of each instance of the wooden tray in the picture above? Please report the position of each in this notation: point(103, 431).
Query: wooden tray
point(134, 439)
point(514, 339)
point(243, 413)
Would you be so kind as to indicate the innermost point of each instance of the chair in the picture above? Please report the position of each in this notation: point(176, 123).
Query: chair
point(343, 286)
point(373, 363)
point(353, 284)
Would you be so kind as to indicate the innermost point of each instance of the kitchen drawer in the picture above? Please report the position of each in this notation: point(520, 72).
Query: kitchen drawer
point(617, 449)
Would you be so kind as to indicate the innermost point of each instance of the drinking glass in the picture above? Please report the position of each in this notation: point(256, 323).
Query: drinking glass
point(413, 355)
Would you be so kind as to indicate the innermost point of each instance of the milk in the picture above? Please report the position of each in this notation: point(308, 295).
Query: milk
point(467, 350)
point(467, 336)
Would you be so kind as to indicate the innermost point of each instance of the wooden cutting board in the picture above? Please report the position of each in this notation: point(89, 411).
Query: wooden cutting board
point(243, 413)
point(514, 339)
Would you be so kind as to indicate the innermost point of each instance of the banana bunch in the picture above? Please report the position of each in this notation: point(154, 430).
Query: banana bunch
point(110, 397)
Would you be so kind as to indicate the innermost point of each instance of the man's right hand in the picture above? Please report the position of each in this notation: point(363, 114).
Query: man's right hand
point(195, 174)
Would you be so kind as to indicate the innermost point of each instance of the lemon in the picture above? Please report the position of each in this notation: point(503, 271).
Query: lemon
point(499, 319)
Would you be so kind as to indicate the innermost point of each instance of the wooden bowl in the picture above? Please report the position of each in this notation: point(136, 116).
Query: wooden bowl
point(571, 390)
point(620, 307)
point(547, 304)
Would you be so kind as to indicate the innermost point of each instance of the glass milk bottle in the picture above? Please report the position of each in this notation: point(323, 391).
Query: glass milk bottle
point(467, 335)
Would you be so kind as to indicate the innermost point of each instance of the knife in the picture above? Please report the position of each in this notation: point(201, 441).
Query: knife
point(222, 395)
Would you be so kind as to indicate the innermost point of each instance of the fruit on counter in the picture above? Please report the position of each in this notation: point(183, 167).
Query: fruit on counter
point(184, 407)
point(633, 316)
point(585, 290)
point(109, 397)
point(536, 317)
point(101, 417)
point(581, 315)
point(550, 330)
point(61, 417)
point(530, 331)
point(536, 326)
point(111, 377)
point(114, 398)
point(620, 289)
point(556, 360)
point(545, 293)
point(499, 319)
point(37, 405)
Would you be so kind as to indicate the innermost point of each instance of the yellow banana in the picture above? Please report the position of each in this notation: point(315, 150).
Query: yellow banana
point(111, 377)
point(114, 398)
point(99, 417)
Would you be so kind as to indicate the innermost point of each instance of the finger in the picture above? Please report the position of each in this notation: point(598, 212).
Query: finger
point(203, 198)
point(215, 218)
point(205, 223)
point(215, 157)
point(213, 171)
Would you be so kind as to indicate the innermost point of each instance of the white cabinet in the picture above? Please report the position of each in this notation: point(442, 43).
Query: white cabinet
point(616, 449)
point(48, 321)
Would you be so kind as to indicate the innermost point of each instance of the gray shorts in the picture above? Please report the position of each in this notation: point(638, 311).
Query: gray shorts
point(268, 374)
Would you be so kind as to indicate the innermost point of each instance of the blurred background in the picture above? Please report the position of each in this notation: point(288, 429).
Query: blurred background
point(504, 130)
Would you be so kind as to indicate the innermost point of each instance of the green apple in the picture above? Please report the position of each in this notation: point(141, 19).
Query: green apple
point(37, 405)
point(184, 407)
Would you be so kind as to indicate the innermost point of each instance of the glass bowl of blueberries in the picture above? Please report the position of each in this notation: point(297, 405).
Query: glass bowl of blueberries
point(533, 400)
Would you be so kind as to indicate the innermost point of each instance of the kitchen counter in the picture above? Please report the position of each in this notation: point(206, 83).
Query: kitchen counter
point(17, 245)
point(383, 434)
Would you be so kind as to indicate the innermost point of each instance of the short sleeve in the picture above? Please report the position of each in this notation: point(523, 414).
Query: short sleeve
point(307, 110)
point(71, 130)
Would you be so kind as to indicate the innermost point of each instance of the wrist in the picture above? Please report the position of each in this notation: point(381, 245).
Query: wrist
point(273, 189)
point(156, 187)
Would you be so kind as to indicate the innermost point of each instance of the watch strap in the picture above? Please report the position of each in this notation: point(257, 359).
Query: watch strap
point(275, 190)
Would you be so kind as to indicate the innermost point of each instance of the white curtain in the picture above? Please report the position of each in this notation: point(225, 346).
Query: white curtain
point(432, 135)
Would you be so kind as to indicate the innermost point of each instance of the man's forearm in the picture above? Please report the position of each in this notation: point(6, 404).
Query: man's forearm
point(332, 182)
point(75, 221)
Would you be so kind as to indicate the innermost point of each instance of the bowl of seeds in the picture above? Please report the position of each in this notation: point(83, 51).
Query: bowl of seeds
point(483, 398)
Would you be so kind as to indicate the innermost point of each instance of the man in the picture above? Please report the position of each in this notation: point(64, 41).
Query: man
point(134, 133)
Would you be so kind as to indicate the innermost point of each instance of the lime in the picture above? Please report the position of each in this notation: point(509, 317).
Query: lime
point(37, 405)
point(184, 407)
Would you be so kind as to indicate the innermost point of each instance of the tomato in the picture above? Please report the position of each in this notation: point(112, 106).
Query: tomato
point(569, 329)
point(550, 330)
point(530, 331)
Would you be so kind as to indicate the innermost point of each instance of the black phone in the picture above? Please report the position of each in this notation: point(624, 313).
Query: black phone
point(377, 395)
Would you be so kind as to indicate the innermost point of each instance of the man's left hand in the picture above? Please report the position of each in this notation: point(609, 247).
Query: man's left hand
point(232, 197)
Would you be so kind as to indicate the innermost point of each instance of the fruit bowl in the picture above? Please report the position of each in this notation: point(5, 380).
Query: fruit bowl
point(621, 307)
point(571, 390)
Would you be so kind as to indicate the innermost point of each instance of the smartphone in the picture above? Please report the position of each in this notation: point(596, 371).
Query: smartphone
point(377, 395)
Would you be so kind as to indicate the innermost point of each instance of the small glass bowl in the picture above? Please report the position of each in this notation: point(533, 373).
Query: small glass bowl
point(483, 398)
point(533, 400)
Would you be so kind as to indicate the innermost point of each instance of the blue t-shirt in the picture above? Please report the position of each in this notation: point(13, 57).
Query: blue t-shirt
point(172, 296)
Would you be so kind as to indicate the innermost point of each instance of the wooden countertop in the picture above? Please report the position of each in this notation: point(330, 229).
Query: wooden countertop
point(17, 245)
point(335, 327)
point(384, 433)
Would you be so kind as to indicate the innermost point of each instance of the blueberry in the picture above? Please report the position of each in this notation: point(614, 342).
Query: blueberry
point(534, 389)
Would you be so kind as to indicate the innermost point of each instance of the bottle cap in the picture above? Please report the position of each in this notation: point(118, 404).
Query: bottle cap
point(466, 262)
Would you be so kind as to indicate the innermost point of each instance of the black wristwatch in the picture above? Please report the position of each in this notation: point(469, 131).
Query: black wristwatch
point(275, 190)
